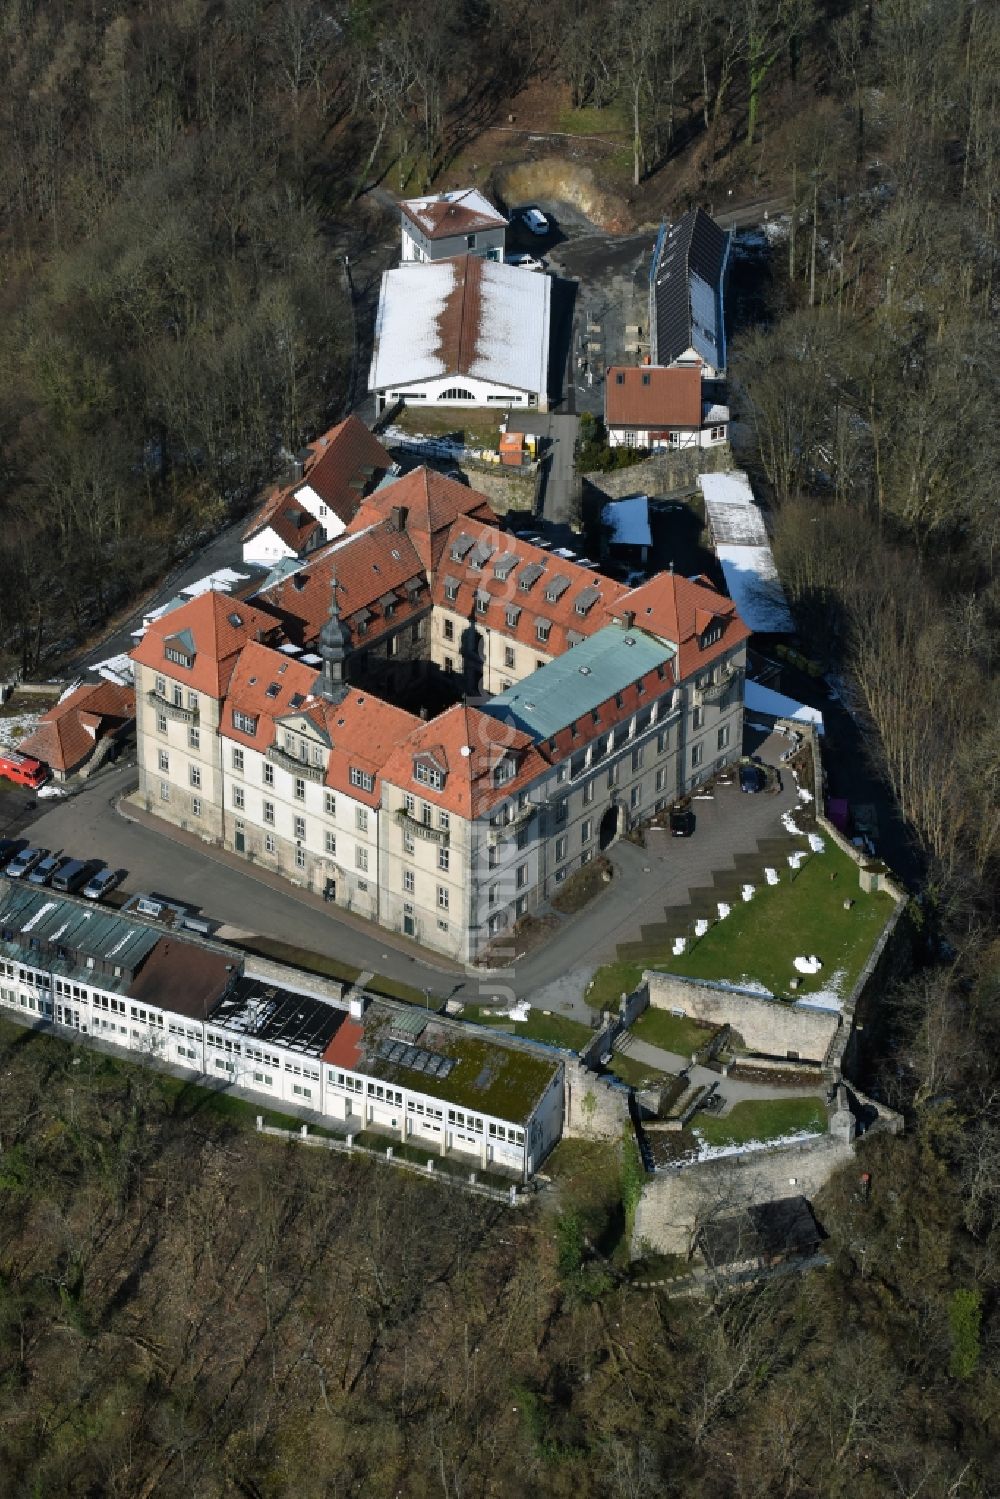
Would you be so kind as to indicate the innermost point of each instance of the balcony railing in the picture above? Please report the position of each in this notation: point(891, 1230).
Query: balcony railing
point(421, 829)
point(713, 692)
point(292, 763)
point(510, 829)
point(171, 709)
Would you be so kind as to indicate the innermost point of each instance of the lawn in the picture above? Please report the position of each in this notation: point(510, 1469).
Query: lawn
point(637, 1074)
point(676, 1033)
point(760, 938)
point(556, 1030)
point(804, 915)
point(613, 980)
point(476, 429)
point(605, 123)
point(762, 1119)
point(333, 968)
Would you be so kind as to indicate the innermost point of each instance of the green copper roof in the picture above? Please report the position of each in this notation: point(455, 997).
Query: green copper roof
point(582, 679)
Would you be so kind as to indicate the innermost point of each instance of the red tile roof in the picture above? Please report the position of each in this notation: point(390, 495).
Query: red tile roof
point(431, 503)
point(67, 733)
point(440, 218)
point(506, 594)
point(347, 1046)
point(344, 465)
point(370, 566)
point(467, 745)
point(363, 730)
point(348, 461)
point(651, 397)
point(681, 610)
point(294, 525)
point(218, 626)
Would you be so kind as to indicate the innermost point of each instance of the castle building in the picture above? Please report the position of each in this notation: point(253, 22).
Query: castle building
point(433, 722)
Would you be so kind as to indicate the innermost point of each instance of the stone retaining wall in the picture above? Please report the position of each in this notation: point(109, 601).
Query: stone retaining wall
point(676, 1202)
point(771, 1026)
point(663, 473)
point(593, 1107)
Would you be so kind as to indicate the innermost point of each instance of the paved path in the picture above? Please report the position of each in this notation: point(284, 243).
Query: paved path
point(733, 1089)
point(554, 975)
point(559, 502)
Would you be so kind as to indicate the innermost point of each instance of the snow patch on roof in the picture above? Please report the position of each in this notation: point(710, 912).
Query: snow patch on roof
point(629, 521)
point(411, 303)
point(733, 513)
point(754, 587)
point(761, 699)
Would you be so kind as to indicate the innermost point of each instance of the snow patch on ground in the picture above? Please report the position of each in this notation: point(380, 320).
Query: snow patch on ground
point(830, 997)
point(717, 1152)
point(749, 986)
point(811, 964)
point(790, 825)
point(18, 727)
point(816, 843)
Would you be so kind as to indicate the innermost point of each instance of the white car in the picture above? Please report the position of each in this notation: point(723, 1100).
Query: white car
point(535, 220)
point(526, 262)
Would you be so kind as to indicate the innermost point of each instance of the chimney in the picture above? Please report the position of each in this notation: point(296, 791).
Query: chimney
point(358, 1002)
point(628, 619)
point(397, 516)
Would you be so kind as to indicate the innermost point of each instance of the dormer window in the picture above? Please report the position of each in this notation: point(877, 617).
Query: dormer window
point(712, 634)
point(178, 657)
point(504, 771)
point(482, 602)
point(428, 775)
point(542, 629)
point(244, 723)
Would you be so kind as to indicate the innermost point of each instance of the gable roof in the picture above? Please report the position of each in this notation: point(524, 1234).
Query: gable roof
point(461, 211)
point(468, 744)
point(361, 731)
point(651, 396)
point(373, 568)
point(215, 627)
point(465, 316)
point(687, 278)
point(67, 733)
point(519, 599)
point(344, 464)
point(289, 521)
point(679, 610)
point(431, 503)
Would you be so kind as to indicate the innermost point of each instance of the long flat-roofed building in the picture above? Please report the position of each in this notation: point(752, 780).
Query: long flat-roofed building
point(362, 1061)
point(574, 709)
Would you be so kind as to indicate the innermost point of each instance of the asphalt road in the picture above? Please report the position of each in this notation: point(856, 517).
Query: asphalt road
point(554, 976)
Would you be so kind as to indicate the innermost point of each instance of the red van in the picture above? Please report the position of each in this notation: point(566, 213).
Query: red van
point(23, 769)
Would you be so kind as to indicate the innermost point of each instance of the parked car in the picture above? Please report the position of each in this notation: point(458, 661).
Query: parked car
point(73, 874)
point(682, 822)
point(527, 262)
point(45, 869)
point(24, 862)
point(752, 779)
point(535, 220)
point(99, 884)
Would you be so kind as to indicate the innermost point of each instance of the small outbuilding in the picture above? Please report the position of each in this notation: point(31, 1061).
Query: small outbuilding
point(91, 718)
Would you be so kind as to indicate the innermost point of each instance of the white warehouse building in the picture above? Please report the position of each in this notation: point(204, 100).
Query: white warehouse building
point(462, 332)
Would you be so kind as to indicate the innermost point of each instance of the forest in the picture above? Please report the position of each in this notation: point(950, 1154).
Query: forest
point(185, 1310)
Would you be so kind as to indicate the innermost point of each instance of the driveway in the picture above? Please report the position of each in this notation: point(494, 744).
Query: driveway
point(560, 504)
point(554, 976)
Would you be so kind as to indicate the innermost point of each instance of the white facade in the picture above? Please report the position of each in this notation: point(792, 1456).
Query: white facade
point(280, 1074)
point(673, 439)
point(459, 390)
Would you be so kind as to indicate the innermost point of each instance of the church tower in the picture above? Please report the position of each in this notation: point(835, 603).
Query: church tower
point(332, 646)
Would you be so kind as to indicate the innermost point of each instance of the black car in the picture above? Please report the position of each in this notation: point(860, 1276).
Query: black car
point(752, 779)
point(682, 822)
